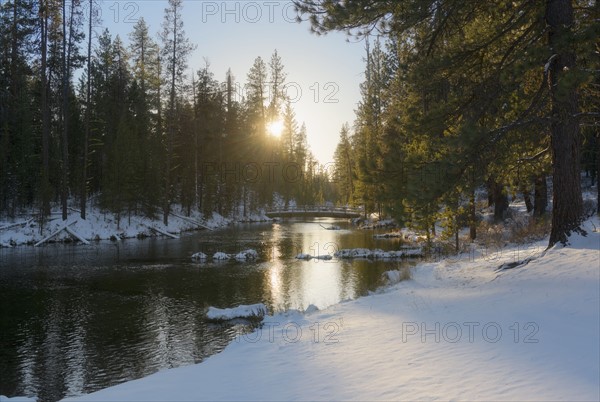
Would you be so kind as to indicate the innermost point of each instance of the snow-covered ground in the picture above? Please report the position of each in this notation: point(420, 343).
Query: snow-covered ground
point(458, 330)
point(105, 226)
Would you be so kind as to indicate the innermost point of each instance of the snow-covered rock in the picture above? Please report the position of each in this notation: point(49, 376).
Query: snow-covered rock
point(242, 311)
point(246, 255)
point(378, 254)
point(221, 256)
point(303, 256)
point(199, 256)
point(392, 235)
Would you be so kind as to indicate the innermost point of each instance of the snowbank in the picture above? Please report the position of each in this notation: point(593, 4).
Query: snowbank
point(406, 234)
point(102, 226)
point(383, 223)
point(459, 330)
point(106, 226)
point(241, 311)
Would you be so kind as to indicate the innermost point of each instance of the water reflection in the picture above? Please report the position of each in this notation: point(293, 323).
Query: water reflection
point(78, 319)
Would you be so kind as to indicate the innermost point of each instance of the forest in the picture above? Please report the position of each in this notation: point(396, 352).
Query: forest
point(457, 98)
point(464, 97)
point(133, 129)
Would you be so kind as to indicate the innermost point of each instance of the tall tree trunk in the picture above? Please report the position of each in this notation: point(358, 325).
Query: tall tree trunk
point(567, 210)
point(87, 115)
point(65, 116)
point(171, 126)
point(489, 184)
point(540, 197)
point(525, 190)
point(472, 216)
point(45, 110)
point(500, 201)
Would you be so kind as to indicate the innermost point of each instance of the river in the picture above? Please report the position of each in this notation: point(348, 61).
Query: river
point(77, 318)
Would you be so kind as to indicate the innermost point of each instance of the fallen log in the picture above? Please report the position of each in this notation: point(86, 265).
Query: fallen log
point(13, 225)
point(77, 235)
point(51, 235)
point(192, 221)
point(163, 232)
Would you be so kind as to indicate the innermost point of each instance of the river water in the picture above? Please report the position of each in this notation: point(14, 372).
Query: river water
point(75, 319)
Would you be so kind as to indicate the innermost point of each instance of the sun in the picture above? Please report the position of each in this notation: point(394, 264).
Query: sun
point(275, 128)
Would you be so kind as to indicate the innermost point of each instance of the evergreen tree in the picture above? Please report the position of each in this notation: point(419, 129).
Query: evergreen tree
point(145, 67)
point(175, 52)
point(465, 67)
point(17, 140)
point(344, 166)
point(277, 83)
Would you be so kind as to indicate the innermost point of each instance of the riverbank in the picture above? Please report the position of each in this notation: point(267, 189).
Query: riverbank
point(459, 329)
point(107, 226)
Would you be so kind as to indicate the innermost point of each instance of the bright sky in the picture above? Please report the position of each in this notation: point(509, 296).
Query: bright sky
point(323, 72)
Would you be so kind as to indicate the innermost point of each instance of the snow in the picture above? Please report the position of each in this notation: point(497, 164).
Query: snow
point(247, 255)
point(311, 309)
point(458, 330)
point(241, 311)
point(391, 235)
point(219, 255)
point(392, 277)
point(307, 257)
point(378, 254)
point(383, 223)
point(16, 399)
point(100, 225)
point(303, 256)
point(323, 257)
point(199, 256)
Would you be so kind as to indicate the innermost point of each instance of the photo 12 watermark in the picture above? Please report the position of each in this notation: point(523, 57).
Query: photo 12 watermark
point(469, 331)
point(250, 12)
point(327, 333)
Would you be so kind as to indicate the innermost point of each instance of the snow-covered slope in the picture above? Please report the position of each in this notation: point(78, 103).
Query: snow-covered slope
point(104, 226)
point(458, 330)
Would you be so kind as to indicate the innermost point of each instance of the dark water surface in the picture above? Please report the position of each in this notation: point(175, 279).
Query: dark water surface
point(76, 318)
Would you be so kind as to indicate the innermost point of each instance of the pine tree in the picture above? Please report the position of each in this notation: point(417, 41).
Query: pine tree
point(344, 167)
point(276, 90)
point(17, 141)
point(175, 52)
point(256, 97)
point(145, 67)
point(71, 36)
point(465, 67)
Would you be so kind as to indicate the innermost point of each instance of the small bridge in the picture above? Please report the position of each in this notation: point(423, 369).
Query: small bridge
point(317, 211)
